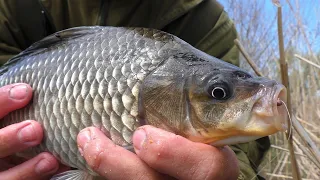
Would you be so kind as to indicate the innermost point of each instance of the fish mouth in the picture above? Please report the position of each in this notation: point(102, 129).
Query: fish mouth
point(279, 107)
point(269, 112)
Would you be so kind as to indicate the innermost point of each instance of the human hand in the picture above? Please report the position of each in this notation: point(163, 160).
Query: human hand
point(20, 136)
point(159, 155)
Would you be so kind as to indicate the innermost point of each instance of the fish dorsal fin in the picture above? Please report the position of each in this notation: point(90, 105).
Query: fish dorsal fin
point(73, 175)
point(53, 39)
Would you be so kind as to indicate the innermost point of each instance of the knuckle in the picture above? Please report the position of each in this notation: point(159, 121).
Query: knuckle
point(208, 169)
point(95, 155)
point(215, 167)
point(157, 151)
point(141, 176)
point(49, 157)
point(44, 155)
point(205, 168)
point(3, 141)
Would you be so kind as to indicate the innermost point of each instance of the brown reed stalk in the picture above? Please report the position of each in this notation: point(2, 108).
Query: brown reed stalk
point(247, 57)
point(307, 61)
point(285, 80)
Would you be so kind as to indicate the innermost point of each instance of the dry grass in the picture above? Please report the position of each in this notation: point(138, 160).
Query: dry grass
point(257, 26)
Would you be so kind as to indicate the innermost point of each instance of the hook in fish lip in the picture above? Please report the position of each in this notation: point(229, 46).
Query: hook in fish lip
point(279, 111)
point(279, 102)
point(279, 97)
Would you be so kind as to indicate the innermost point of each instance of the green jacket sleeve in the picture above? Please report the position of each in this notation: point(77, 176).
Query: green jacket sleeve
point(208, 28)
point(11, 38)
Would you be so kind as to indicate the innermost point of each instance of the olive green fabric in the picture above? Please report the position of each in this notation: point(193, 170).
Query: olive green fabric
point(202, 23)
point(180, 17)
point(250, 156)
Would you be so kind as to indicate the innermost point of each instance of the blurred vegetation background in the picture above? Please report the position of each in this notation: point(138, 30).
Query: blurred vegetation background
point(256, 22)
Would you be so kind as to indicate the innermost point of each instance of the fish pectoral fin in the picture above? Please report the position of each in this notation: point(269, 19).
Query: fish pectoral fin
point(73, 175)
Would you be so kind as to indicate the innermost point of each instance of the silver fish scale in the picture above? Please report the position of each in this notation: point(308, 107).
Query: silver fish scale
point(92, 80)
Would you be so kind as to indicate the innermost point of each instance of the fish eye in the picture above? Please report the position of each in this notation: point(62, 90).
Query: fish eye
point(219, 91)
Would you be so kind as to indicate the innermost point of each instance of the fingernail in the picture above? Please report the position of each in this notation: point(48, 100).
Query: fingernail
point(27, 134)
point(83, 138)
point(45, 167)
point(18, 92)
point(139, 137)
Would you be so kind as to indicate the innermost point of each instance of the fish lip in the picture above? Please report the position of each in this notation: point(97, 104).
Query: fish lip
point(235, 140)
point(279, 112)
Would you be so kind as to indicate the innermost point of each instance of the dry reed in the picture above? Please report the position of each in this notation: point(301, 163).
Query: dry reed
point(258, 34)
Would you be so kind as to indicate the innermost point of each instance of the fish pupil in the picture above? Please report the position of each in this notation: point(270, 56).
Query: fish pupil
point(218, 93)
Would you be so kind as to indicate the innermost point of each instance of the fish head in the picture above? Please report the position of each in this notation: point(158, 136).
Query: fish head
point(208, 100)
point(230, 106)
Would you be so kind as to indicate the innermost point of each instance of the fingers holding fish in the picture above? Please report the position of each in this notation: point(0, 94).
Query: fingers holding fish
point(176, 156)
point(19, 136)
point(13, 97)
point(16, 138)
point(112, 161)
point(40, 167)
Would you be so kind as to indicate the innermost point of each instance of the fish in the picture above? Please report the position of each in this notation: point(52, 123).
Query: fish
point(120, 78)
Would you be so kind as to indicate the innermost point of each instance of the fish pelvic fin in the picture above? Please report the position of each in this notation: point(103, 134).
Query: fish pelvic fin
point(74, 175)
